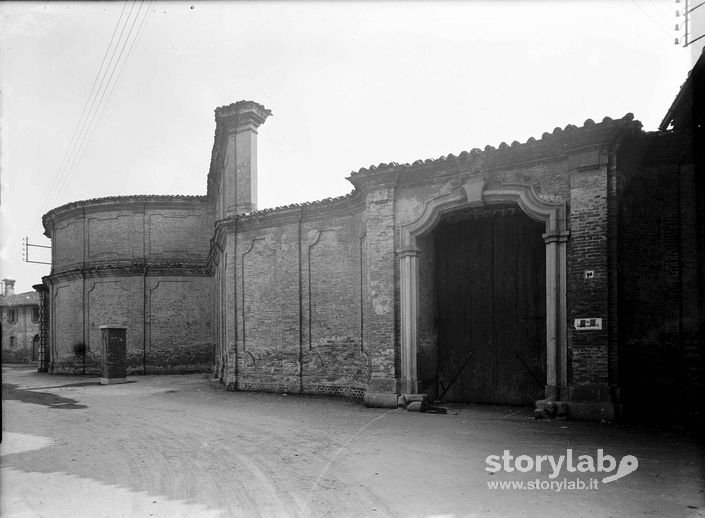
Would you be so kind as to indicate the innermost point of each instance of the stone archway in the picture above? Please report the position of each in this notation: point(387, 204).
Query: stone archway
point(474, 193)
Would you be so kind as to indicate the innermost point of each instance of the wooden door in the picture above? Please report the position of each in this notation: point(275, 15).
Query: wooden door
point(490, 295)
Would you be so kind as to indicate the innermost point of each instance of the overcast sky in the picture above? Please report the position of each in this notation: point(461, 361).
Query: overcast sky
point(349, 84)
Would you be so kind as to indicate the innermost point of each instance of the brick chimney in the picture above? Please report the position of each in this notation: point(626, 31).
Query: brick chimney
point(239, 122)
point(8, 286)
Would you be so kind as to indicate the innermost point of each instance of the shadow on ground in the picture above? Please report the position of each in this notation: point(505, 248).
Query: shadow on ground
point(11, 392)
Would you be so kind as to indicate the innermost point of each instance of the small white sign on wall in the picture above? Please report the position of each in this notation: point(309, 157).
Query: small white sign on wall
point(587, 324)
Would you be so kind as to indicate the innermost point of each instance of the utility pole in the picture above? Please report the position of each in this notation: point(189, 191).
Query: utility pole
point(25, 251)
point(686, 14)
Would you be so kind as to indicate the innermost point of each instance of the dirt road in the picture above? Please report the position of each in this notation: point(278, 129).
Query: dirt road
point(182, 446)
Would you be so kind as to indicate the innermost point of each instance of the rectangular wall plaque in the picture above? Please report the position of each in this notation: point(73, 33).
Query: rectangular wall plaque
point(587, 324)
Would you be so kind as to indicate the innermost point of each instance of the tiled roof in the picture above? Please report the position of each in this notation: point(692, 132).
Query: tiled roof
point(20, 299)
point(558, 134)
point(687, 108)
point(311, 204)
point(125, 198)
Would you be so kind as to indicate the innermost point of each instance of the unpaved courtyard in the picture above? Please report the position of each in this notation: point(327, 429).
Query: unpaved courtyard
point(182, 446)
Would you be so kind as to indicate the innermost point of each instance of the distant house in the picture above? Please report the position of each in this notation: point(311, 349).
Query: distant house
point(20, 324)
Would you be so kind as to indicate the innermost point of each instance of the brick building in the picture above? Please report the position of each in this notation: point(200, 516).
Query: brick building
point(565, 271)
point(19, 313)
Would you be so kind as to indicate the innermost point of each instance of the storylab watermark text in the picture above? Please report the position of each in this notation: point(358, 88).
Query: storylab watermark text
point(589, 470)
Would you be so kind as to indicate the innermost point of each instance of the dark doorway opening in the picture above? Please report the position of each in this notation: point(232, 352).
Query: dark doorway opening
point(490, 284)
point(35, 348)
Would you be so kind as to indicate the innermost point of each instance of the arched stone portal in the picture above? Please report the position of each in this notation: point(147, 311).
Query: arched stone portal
point(474, 193)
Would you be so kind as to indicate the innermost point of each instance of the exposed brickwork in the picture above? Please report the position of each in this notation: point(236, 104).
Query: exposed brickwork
point(116, 301)
point(307, 298)
point(66, 315)
point(380, 332)
point(588, 297)
point(179, 329)
point(135, 262)
point(299, 322)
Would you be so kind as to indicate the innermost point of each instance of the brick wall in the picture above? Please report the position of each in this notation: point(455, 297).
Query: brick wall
point(128, 230)
point(176, 310)
point(306, 298)
point(178, 335)
point(297, 298)
point(381, 333)
point(315, 288)
point(588, 297)
point(660, 356)
point(133, 261)
point(114, 301)
point(66, 331)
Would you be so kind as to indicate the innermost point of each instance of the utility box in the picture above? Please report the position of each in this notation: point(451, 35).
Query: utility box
point(114, 354)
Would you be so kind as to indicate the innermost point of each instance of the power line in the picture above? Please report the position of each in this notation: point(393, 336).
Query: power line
point(87, 127)
point(695, 20)
point(122, 67)
point(668, 33)
point(689, 22)
point(79, 132)
point(79, 124)
point(94, 104)
point(100, 110)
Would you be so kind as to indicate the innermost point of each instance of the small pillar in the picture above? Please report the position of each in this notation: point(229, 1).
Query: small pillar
point(114, 354)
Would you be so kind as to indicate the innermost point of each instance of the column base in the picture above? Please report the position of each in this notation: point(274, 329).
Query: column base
point(414, 402)
point(411, 402)
point(112, 381)
point(381, 399)
point(580, 410)
point(408, 386)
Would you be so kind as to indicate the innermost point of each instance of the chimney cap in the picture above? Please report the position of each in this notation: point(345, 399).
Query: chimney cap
point(243, 114)
point(8, 286)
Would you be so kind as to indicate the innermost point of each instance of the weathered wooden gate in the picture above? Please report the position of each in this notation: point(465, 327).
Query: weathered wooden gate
point(491, 307)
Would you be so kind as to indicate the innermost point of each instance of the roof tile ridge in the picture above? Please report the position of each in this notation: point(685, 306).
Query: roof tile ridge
point(589, 124)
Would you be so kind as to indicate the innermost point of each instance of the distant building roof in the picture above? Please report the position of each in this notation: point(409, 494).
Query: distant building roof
point(30, 298)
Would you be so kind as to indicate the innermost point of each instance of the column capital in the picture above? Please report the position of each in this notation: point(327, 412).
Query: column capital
point(556, 236)
point(407, 252)
point(242, 116)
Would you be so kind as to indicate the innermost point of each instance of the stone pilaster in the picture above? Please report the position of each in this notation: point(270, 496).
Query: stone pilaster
point(408, 278)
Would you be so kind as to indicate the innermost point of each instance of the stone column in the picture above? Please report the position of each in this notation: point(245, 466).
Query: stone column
point(556, 350)
point(408, 264)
